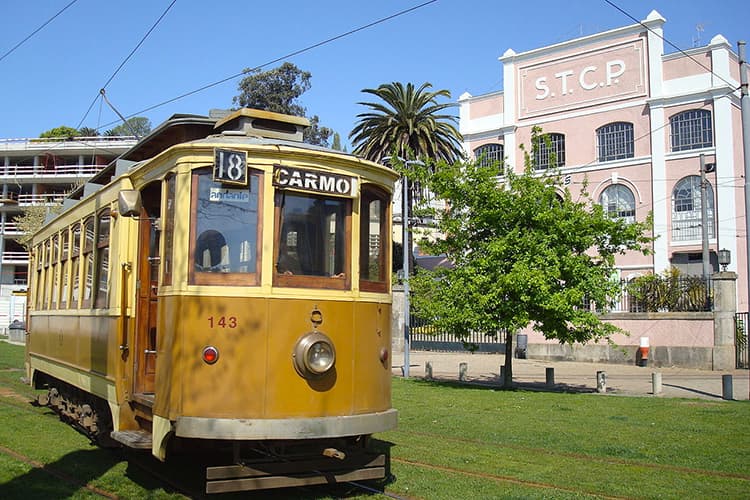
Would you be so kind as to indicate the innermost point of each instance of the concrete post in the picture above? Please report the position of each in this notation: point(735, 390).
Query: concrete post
point(725, 307)
point(656, 387)
point(601, 382)
point(428, 370)
point(550, 375)
point(462, 369)
point(727, 390)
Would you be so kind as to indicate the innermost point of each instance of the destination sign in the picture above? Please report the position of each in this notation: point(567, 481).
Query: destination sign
point(315, 181)
point(230, 167)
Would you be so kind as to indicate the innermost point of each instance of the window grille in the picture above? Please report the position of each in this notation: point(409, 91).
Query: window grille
point(615, 141)
point(549, 152)
point(618, 202)
point(489, 154)
point(691, 130)
point(686, 209)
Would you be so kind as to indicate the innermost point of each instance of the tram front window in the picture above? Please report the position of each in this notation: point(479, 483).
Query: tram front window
point(312, 243)
point(225, 230)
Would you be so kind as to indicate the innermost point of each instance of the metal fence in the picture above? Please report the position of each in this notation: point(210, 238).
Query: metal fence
point(741, 340)
point(651, 293)
point(425, 336)
point(655, 293)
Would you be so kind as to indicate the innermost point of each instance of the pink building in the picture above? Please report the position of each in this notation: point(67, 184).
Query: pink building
point(633, 123)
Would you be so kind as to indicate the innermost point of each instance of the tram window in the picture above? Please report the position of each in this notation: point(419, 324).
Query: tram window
point(55, 281)
point(373, 240)
point(169, 230)
point(75, 252)
point(225, 231)
point(102, 260)
point(64, 268)
point(312, 247)
point(88, 261)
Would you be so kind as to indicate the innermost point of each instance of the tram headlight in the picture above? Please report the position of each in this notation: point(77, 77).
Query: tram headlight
point(314, 355)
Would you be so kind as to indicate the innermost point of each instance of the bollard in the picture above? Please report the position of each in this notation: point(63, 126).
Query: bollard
point(656, 383)
point(601, 381)
point(462, 369)
point(727, 392)
point(428, 370)
point(550, 375)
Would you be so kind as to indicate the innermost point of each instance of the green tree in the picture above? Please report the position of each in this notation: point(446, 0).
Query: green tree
point(62, 131)
point(88, 132)
point(138, 126)
point(31, 219)
point(409, 123)
point(278, 90)
point(526, 253)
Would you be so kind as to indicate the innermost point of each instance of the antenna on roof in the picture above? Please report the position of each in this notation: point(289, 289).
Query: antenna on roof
point(697, 38)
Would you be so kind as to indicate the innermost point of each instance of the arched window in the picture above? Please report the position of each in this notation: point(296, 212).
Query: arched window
point(686, 209)
point(615, 141)
point(488, 154)
point(549, 152)
point(618, 202)
point(691, 130)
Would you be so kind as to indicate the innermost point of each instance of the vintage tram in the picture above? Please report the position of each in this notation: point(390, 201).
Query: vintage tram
point(223, 286)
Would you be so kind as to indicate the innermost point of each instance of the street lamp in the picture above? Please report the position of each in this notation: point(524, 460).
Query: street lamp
point(406, 252)
point(725, 258)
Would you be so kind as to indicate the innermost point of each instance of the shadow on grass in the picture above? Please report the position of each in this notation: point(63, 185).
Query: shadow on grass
point(61, 478)
point(493, 384)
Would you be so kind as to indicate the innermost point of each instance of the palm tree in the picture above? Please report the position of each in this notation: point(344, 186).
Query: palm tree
point(407, 123)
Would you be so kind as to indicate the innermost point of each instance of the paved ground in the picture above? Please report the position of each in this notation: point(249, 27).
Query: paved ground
point(578, 377)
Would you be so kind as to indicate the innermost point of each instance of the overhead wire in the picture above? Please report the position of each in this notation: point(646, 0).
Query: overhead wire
point(281, 58)
point(10, 51)
point(100, 94)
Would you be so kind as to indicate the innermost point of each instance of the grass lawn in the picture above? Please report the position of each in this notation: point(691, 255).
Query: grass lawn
point(452, 442)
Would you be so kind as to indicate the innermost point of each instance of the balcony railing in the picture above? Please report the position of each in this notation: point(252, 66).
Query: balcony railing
point(44, 144)
point(15, 257)
point(40, 171)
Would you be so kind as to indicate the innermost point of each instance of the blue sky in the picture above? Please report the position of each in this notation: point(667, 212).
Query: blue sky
point(52, 78)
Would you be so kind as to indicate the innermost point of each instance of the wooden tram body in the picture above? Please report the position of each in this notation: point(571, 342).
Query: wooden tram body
point(164, 312)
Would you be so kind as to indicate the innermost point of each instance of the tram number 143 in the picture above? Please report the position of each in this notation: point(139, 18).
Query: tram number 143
point(230, 167)
point(222, 322)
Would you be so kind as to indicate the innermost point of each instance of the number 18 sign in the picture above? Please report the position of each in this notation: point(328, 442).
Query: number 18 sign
point(230, 167)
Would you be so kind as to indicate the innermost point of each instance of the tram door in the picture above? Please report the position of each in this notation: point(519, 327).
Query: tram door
point(147, 287)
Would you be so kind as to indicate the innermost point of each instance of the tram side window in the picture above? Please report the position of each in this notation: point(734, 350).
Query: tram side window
point(225, 231)
point(312, 245)
point(102, 260)
point(75, 253)
point(169, 230)
point(40, 276)
point(373, 242)
point(88, 261)
point(55, 280)
point(64, 268)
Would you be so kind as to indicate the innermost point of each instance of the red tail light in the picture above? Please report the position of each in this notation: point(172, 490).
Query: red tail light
point(210, 355)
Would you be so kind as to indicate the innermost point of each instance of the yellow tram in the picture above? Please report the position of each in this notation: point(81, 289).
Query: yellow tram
point(223, 285)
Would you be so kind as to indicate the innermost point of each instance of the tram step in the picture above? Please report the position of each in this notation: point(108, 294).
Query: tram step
point(133, 439)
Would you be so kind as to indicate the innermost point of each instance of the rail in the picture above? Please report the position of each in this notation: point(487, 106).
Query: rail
point(46, 143)
point(38, 171)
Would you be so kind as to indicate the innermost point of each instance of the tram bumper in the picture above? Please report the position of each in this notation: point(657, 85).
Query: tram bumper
point(291, 428)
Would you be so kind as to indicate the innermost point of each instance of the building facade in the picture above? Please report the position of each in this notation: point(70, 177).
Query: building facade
point(633, 125)
point(39, 172)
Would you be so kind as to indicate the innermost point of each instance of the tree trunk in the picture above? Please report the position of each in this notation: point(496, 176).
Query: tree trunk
point(508, 378)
